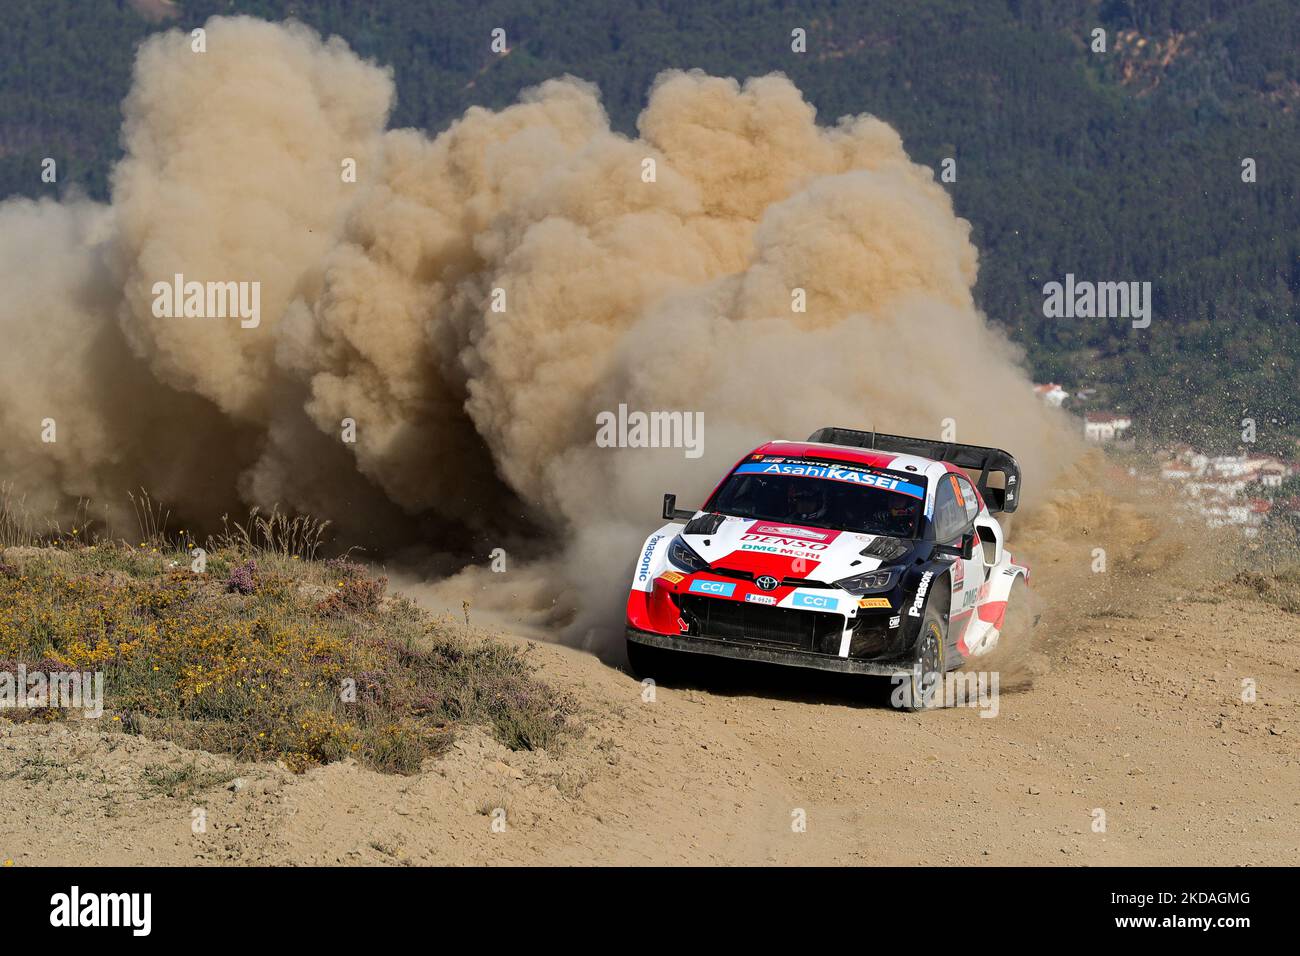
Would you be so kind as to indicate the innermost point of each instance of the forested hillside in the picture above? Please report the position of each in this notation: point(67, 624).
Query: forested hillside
point(1122, 165)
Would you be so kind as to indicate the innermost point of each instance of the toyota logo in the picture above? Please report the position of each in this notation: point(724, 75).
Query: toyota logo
point(767, 582)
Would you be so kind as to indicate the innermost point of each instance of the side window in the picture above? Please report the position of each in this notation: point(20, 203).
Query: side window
point(966, 498)
point(949, 514)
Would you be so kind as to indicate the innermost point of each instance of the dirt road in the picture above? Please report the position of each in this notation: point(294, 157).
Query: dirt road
point(1132, 746)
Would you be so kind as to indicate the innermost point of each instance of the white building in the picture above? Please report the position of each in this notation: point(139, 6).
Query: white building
point(1224, 490)
point(1052, 394)
point(1105, 427)
point(1273, 473)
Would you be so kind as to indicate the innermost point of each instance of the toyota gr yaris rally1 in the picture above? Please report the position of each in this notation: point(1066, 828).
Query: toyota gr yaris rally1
point(852, 551)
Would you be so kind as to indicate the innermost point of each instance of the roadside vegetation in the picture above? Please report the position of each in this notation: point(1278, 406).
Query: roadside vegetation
point(261, 650)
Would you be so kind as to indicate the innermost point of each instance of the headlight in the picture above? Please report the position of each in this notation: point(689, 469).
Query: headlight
point(682, 556)
point(881, 580)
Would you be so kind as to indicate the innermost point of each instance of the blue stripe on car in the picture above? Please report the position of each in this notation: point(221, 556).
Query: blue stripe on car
point(855, 476)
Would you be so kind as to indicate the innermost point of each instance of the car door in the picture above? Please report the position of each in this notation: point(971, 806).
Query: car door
point(955, 509)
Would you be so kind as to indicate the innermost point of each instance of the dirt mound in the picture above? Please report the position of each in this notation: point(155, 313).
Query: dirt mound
point(1281, 588)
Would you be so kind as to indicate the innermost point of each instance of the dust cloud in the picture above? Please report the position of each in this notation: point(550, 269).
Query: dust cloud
point(475, 428)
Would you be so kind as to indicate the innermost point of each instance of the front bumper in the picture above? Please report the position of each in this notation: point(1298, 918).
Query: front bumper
point(741, 650)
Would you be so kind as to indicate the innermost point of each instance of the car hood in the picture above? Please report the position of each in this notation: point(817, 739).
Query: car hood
point(782, 549)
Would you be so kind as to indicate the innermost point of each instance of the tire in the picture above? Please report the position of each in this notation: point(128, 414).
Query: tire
point(654, 663)
point(925, 683)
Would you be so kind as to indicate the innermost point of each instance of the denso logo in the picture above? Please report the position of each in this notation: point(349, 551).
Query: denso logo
point(789, 542)
point(915, 609)
point(643, 571)
point(786, 531)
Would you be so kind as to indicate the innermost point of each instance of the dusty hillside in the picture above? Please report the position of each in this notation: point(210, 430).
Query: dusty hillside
point(1135, 709)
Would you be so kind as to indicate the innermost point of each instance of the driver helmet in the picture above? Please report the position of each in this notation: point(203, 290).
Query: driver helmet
point(806, 501)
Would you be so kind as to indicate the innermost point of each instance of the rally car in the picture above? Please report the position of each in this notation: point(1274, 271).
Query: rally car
point(852, 551)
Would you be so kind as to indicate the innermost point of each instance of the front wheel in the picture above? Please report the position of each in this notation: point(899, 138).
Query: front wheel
point(922, 689)
point(655, 663)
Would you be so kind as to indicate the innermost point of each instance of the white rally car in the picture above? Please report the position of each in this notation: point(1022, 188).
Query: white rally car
point(852, 551)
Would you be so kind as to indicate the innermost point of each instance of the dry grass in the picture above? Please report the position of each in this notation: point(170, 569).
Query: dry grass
point(260, 533)
point(267, 654)
point(180, 781)
point(273, 533)
point(19, 527)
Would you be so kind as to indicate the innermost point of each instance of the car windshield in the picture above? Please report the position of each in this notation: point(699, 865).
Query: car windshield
point(842, 498)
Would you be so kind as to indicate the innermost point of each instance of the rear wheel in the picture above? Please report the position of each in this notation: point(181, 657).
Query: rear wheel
point(925, 682)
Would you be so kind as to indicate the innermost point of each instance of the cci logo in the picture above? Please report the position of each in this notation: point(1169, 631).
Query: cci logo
point(718, 588)
point(818, 602)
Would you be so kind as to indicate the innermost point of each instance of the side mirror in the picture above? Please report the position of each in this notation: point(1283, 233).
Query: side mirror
point(968, 545)
point(965, 550)
point(672, 512)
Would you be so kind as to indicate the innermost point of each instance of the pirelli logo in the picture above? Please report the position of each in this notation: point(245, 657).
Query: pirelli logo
point(877, 602)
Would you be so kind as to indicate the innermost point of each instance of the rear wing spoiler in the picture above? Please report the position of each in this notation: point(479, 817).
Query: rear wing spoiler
point(978, 458)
